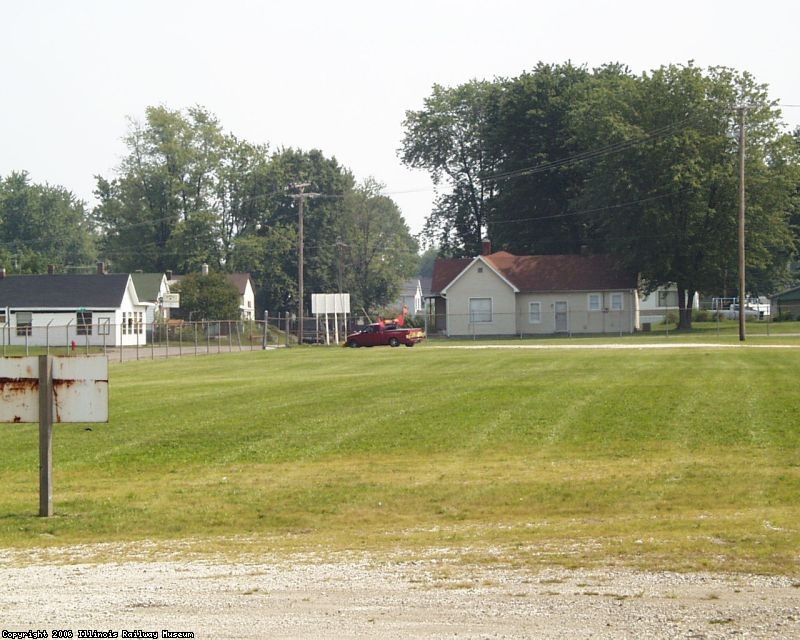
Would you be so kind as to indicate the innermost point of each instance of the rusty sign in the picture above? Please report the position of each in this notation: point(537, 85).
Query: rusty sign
point(80, 389)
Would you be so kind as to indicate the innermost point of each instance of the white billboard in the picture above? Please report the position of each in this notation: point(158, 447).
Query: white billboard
point(322, 303)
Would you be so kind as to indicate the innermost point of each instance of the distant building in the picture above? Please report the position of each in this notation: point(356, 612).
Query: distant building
point(503, 294)
point(58, 309)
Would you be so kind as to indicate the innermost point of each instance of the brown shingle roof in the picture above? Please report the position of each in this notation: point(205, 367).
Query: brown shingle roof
point(562, 273)
point(544, 273)
point(444, 272)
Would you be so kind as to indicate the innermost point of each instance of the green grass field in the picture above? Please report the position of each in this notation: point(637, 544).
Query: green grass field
point(672, 458)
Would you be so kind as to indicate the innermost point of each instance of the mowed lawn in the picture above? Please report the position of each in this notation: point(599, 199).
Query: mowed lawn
point(673, 458)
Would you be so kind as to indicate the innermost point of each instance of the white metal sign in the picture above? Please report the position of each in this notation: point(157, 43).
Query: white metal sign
point(322, 303)
point(171, 300)
point(80, 389)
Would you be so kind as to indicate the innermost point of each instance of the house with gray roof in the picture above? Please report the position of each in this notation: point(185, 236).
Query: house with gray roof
point(58, 309)
point(150, 289)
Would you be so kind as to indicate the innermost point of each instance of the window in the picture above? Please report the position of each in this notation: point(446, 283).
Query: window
point(667, 298)
point(2, 317)
point(480, 310)
point(139, 322)
point(535, 313)
point(127, 323)
point(616, 302)
point(84, 323)
point(104, 326)
point(595, 302)
point(24, 323)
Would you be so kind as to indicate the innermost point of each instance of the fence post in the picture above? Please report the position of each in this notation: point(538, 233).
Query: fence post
point(180, 339)
point(286, 334)
point(265, 339)
point(238, 336)
point(208, 337)
point(137, 339)
point(153, 340)
point(166, 337)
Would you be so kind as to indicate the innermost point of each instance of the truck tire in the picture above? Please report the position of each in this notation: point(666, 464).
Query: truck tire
point(352, 344)
point(394, 342)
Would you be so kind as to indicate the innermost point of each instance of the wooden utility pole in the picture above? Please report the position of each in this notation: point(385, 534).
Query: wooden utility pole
point(300, 262)
point(742, 295)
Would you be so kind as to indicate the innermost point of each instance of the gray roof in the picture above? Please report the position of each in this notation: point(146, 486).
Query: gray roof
point(148, 286)
point(63, 291)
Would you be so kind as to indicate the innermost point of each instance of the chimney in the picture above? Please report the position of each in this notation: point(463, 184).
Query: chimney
point(51, 269)
point(101, 269)
point(204, 269)
point(486, 247)
point(169, 274)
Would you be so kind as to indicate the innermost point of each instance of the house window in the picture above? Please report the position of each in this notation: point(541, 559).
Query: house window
point(595, 302)
point(535, 313)
point(667, 298)
point(139, 321)
point(616, 302)
point(84, 323)
point(104, 326)
point(127, 323)
point(2, 317)
point(24, 323)
point(480, 310)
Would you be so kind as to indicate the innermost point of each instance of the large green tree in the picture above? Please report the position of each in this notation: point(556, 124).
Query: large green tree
point(41, 225)
point(562, 159)
point(377, 251)
point(188, 193)
point(449, 138)
point(208, 297)
point(669, 193)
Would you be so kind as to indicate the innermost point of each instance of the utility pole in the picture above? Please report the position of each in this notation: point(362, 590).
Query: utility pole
point(741, 225)
point(302, 198)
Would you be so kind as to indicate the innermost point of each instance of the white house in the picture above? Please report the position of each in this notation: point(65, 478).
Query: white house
point(99, 309)
point(244, 286)
point(503, 294)
point(654, 307)
point(411, 296)
point(150, 289)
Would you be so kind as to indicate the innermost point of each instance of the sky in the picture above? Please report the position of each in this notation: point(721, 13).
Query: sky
point(335, 76)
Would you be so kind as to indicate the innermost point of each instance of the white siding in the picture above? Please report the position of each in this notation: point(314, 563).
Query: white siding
point(480, 281)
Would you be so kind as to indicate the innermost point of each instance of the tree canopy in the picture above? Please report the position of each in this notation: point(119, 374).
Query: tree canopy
point(42, 225)
point(561, 159)
point(188, 193)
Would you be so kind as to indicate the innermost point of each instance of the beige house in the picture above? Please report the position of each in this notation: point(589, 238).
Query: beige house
point(499, 294)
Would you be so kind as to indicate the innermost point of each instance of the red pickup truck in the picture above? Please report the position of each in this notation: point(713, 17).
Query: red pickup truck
point(374, 335)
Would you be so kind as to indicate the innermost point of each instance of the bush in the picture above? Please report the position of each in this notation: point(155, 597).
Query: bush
point(671, 317)
point(701, 315)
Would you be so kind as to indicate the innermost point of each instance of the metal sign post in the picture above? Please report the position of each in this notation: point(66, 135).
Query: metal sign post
point(48, 389)
point(45, 436)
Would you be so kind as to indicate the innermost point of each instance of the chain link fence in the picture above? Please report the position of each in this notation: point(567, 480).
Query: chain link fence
point(178, 338)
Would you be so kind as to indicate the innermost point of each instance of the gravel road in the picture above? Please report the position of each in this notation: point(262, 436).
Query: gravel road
point(306, 597)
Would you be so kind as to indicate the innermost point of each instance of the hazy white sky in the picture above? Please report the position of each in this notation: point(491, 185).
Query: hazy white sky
point(337, 76)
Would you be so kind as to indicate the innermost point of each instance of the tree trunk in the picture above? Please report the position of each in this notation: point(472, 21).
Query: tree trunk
point(684, 310)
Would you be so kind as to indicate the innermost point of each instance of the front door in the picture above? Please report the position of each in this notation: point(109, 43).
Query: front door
point(562, 317)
